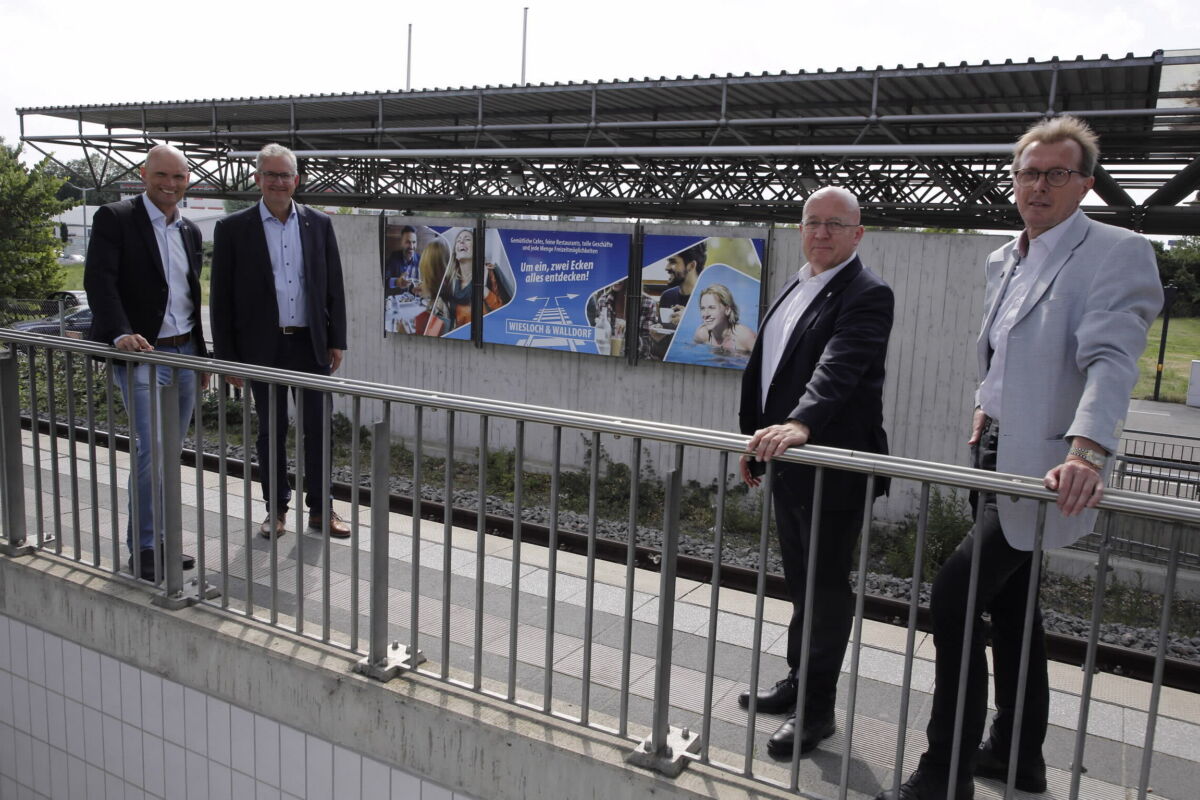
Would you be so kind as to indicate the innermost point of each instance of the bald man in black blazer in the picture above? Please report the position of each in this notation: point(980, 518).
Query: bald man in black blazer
point(816, 375)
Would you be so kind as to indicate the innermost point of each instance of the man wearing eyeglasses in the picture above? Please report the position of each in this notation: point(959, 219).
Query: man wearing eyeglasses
point(1068, 303)
point(816, 376)
point(278, 301)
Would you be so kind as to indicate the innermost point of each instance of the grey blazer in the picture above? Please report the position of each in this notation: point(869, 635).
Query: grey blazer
point(1072, 359)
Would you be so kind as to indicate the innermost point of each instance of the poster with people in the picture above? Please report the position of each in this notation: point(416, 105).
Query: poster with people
point(569, 290)
point(427, 272)
point(700, 299)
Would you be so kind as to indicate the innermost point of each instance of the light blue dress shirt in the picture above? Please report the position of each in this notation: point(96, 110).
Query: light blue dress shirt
point(287, 264)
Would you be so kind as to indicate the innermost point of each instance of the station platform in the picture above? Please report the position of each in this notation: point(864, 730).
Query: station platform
point(1116, 726)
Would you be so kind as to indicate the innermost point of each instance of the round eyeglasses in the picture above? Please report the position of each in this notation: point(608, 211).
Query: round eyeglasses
point(1055, 177)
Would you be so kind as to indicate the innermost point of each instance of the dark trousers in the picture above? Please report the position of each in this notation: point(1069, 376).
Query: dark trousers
point(833, 601)
point(295, 353)
point(1002, 590)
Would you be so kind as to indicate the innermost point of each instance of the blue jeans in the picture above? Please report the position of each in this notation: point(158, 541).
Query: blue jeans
point(140, 422)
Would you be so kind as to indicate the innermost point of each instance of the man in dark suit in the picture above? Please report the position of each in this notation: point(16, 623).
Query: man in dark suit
point(142, 278)
point(816, 375)
point(278, 301)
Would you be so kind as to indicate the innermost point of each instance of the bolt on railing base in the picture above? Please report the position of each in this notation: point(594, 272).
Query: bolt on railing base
point(398, 659)
point(673, 757)
point(10, 549)
point(210, 592)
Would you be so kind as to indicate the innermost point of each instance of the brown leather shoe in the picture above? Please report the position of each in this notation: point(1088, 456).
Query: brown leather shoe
point(338, 529)
point(280, 525)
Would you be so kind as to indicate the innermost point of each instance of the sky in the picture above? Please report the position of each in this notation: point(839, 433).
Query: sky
point(68, 52)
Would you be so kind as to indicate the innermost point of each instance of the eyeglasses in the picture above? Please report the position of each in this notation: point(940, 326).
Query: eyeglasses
point(1055, 177)
point(268, 175)
point(833, 226)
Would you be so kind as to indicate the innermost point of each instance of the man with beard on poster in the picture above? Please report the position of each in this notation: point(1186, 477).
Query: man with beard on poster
point(683, 271)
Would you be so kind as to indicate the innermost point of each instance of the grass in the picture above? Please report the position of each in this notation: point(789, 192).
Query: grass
point(1183, 345)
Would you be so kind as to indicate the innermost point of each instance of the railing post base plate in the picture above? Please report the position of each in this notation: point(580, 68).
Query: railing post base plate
point(398, 659)
point(671, 761)
point(10, 549)
point(172, 602)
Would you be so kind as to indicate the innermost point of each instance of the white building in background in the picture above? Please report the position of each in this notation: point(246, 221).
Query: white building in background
point(204, 211)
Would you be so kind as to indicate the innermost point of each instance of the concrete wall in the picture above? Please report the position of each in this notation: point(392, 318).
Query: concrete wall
point(103, 694)
point(931, 363)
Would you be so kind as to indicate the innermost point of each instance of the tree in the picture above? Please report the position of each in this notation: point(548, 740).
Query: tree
point(95, 170)
point(1180, 265)
point(29, 244)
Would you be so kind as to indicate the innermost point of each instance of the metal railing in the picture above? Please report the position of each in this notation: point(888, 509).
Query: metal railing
point(474, 622)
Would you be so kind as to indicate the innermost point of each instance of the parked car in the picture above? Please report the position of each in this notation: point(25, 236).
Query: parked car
point(70, 297)
point(75, 323)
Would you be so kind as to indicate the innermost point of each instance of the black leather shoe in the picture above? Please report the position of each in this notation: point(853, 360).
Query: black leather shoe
point(189, 561)
point(816, 729)
point(927, 785)
point(143, 565)
point(779, 699)
point(992, 762)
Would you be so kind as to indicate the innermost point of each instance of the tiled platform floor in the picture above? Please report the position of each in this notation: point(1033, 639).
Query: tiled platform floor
point(447, 612)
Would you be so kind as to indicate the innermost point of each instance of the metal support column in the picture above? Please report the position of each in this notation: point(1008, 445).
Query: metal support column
point(12, 470)
point(666, 748)
point(171, 550)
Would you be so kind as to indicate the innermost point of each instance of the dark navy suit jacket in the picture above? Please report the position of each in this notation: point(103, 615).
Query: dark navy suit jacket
point(244, 311)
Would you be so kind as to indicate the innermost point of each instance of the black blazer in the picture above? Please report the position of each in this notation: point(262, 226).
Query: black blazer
point(830, 376)
point(243, 310)
point(124, 278)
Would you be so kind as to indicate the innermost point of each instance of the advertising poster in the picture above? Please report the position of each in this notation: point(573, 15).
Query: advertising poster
point(569, 290)
point(700, 299)
point(427, 280)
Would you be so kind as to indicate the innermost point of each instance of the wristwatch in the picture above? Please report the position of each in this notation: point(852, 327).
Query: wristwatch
point(1090, 456)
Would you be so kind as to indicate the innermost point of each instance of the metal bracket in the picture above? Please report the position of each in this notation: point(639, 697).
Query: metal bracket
point(11, 549)
point(398, 659)
point(172, 602)
point(674, 755)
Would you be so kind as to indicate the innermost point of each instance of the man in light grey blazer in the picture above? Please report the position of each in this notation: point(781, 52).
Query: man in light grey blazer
point(1067, 307)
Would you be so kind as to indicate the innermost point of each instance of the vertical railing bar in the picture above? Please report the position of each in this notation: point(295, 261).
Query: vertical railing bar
point(635, 472)
point(355, 465)
point(198, 448)
point(56, 494)
point(114, 512)
point(223, 485)
point(447, 541)
point(864, 549)
point(157, 522)
point(814, 542)
point(73, 455)
point(380, 456)
point(89, 377)
point(171, 521)
point(714, 598)
point(914, 605)
point(1160, 659)
point(326, 504)
point(964, 665)
point(1031, 599)
point(417, 516)
point(589, 604)
point(247, 497)
point(760, 593)
point(36, 448)
point(552, 570)
point(273, 493)
point(300, 500)
point(515, 579)
point(480, 533)
point(660, 728)
point(1089, 661)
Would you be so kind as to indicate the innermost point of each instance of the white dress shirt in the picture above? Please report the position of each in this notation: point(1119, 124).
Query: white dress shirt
point(169, 234)
point(779, 327)
point(1032, 256)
